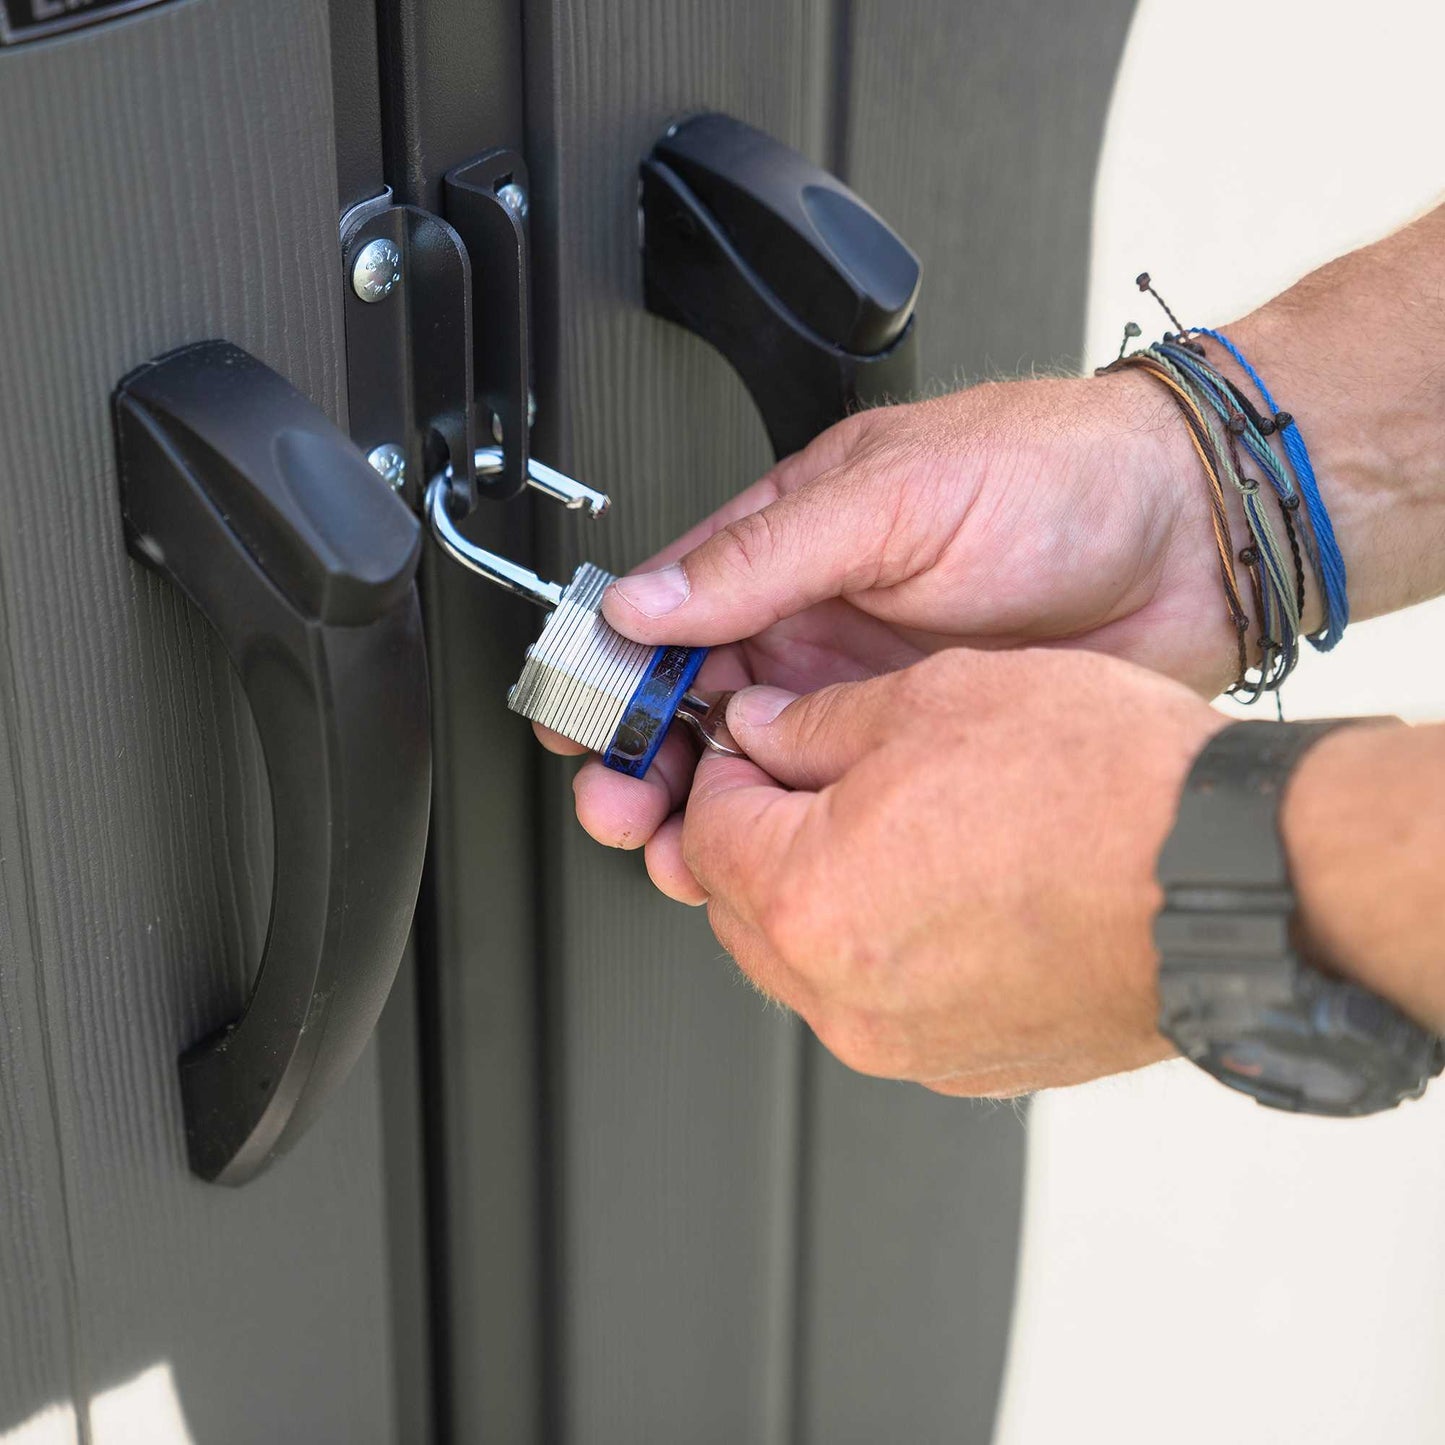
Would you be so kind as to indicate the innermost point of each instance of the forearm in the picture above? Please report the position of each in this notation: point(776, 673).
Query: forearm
point(1364, 825)
point(1354, 352)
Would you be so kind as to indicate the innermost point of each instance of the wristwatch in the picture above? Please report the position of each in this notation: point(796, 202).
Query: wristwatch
point(1235, 995)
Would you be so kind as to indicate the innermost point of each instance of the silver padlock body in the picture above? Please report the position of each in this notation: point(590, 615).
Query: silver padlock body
point(614, 696)
point(580, 675)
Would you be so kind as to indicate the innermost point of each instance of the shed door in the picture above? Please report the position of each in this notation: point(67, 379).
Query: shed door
point(168, 176)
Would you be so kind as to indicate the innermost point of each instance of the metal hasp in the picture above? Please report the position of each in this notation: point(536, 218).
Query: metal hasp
point(240, 492)
point(407, 300)
point(799, 284)
point(438, 326)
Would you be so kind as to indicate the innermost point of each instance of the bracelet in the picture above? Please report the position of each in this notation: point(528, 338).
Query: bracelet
point(1275, 599)
point(1332, 562)
point(1248, 430)
point(1211, 404)
point(1242, 420)
point(1204, 447)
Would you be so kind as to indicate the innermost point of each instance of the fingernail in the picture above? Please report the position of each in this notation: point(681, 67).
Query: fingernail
point(655, 594)
point(758, 706)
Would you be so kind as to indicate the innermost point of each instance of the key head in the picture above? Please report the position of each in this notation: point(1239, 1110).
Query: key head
point(706, 713)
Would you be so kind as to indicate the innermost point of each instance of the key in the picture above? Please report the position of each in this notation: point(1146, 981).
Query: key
point(707, 716)
point(581, 678)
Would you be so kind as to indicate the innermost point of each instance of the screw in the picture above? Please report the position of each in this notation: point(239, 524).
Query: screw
point(388, 461)
point(514, 198)
point(376, 271)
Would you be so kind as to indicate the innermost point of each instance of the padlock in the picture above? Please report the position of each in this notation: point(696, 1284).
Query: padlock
point(581, 678)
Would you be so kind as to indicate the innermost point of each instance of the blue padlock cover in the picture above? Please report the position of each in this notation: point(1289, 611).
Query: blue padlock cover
point(651, 708)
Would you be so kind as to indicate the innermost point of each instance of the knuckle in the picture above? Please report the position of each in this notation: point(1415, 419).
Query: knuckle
point(695, 851)
point(865, 1042)
point(821, 714)
point(744, 546)
point(725, 926)
point(940, 667)
point(919, 686)
point(805, 940)
point(783, 920)
point(945, 676)
point(845, 439)
point(804, 930)
point(858, 430)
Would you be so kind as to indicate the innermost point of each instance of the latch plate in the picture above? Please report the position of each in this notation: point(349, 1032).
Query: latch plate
point(409, 351)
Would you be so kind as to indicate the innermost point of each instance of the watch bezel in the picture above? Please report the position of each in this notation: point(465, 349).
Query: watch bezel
point(1317, 1045)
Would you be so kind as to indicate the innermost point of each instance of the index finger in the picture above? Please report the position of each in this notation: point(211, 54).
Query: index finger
point(738, 829)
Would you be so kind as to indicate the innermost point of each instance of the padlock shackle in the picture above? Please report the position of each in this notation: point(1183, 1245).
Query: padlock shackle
point(509, 575)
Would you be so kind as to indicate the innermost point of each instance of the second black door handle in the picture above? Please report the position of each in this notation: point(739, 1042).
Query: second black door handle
point(805, 290)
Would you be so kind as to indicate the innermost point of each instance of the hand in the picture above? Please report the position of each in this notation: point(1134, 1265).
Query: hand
point(952, 877)
point(1026, 512)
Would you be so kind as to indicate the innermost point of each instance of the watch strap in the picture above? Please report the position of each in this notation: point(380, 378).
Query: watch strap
point(1227, 831)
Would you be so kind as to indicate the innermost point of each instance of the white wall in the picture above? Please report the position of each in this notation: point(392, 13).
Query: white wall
point(1195, 1268)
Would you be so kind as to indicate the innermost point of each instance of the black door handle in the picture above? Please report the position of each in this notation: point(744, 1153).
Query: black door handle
point(245, 496)
point(776, 263)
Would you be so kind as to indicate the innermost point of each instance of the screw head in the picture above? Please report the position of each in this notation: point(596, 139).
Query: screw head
point(388, 461)
point(514, 198)
point(376, 271)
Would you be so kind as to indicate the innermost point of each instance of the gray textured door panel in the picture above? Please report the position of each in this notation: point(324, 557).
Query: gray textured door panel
point(166, 178)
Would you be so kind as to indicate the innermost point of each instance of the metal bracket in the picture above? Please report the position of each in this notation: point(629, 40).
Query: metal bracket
point(430, 341)
point(409, 348)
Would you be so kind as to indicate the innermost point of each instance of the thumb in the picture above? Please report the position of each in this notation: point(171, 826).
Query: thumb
point(809, 742)
point(818, 542)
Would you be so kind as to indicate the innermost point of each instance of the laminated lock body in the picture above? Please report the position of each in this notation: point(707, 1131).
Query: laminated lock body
point(586, 681)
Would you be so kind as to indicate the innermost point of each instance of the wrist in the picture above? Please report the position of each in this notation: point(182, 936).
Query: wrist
point(1365, 848)
point(1373, 414)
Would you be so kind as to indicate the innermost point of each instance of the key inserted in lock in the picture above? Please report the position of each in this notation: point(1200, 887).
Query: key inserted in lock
point(583, 679)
